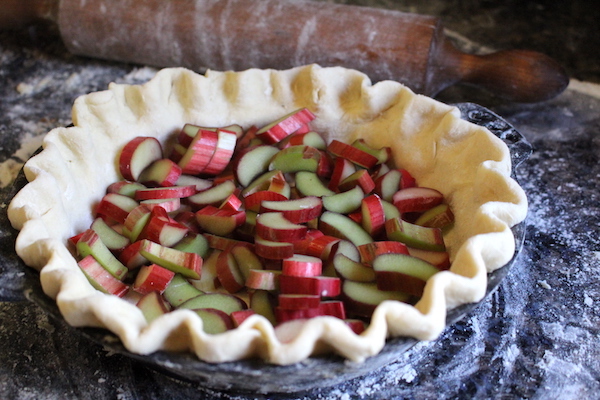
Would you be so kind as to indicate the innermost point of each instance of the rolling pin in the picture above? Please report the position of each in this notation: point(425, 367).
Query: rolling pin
point(241, 34)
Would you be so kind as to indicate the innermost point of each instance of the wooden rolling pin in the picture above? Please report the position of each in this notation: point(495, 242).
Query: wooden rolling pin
point(240, 34)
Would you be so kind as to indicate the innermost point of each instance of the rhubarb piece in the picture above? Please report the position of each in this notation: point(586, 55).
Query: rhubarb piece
point(332, 308)
point(209, 281)
point(131, 256)
point(124, 187)
point(279, 185)
point(349, 269)
point(253, 162)
point(115, 207)
point(199, 152)
point(310, 138)
point(359, 178)
point(369, 251)
point(169, 205)
point(246, 259)
point(248, 139)
point(75, 238)
point(296, 158)
point(341, 226)
point(262, 182)
point(177, 152)
point(229, 273)
point(136, 221)
point(296, 211)
point(214, 321)
point(263, 279)
point(163, 231)
point(253, 201)
point(390, 210)
point(90, 244)
point(345, 202)
point(302, 265)
point(309, 184)
point(298, 301)
point(238, 317)
point(169, 192)
point(137, 155)
point(189, 132)
point(231, 203)
point(416, 236)
point(416, 199)
point(152, 278)
point(388, 184)
point(342, 168)
point(193, 243)
point(179, 291)
point(100, 278)
point(362, 298)
point(153, 305)
point(110, 237)
point(379, 170)
point(440, 216)
point(285, 126)
point(186, 264)
point(223, 152)
point(346, 248)
point(163, 172)
point(301, 246)
point(273, 250)
point(188, 219)
point(407, 180)
point(321, 246)
point(357, 325)
point(261, 301)
point(356, 216)
point(373, 216)
point(401, 272)
point(214, 196)
point(225, 302)
point(323, 286)
point(219, 221)
point(439, 259)
point(199, 183)
point(223, 243)
point(283, 315)
point(353, 154)
point(274, 226)
point(236, 129)
point(382, 154)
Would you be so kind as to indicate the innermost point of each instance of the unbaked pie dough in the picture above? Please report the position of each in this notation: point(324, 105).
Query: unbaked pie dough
point(467, 163)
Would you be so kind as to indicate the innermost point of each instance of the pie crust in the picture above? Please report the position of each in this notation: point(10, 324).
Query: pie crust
point(467, 163)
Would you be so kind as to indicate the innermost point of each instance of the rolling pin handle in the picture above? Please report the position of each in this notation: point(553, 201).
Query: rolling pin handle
point(17, 14)
point(521, 76)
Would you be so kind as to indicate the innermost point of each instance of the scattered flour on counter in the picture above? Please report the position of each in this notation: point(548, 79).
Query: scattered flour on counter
point(139, 75)
point(544, 284)
point(9, 171)
point(588, 88)
point(10, 168)
point(563, 380)
point(35, 86)
point(407, 373)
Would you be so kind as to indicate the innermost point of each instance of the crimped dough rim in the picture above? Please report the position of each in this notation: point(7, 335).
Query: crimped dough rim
point(467, 163)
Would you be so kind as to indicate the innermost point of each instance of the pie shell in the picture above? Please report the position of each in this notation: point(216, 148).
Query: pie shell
point(466, 162)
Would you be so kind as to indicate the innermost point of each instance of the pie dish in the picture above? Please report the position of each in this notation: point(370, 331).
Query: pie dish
point(466, 162)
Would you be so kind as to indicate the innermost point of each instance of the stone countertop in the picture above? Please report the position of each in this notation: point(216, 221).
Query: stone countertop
point(536, 337)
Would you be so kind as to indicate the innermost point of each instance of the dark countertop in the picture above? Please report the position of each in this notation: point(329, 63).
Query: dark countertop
point(536, 337)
